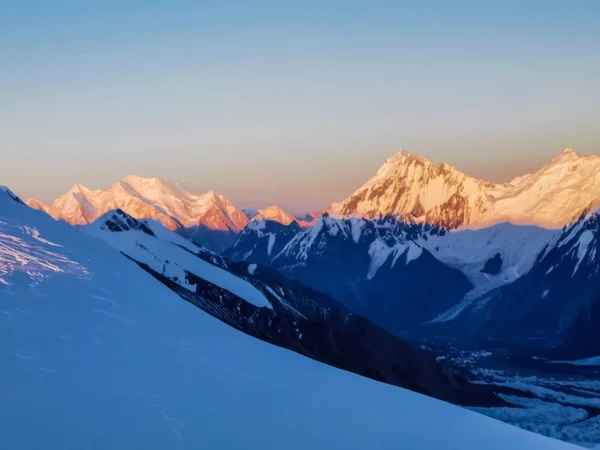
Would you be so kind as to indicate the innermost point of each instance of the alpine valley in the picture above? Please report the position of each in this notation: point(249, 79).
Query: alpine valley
point(424, 279)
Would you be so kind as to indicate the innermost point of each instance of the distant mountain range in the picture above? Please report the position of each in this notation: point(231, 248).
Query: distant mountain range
point(422, 245)
point(418, 244)
point(407, 186)
point(209, 219)
point(146, 198)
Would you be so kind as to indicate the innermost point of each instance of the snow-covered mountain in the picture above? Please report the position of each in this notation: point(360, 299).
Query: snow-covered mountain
point(513, 282)
point(36, 204)
point(376, 268)
point(439, 194)
point(276, 214)
point(266, 305)
point(397, 273)
point(261, 240)
point(560, 288)
point(476, 237)
point(490, 257)
point(210, 218)
point(95, 351)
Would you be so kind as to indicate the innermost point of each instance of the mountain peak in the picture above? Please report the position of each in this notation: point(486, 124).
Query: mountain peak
point(272, 208)
point(404, 157)
point(274, 213)
point(78, 188)
point(407, 184)
point(148, 198)
point(403, 163)
point(568, 154)
point(212, 194)
point(442, 195)
point(137, 178)
point(141, 183)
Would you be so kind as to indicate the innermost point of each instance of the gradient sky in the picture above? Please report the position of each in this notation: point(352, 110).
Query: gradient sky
point(289, 102)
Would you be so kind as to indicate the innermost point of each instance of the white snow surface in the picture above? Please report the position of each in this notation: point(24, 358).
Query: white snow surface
point(357, 227)
point(379, 252)
point(272, 238)
point(113, 359)
point(301, 244)
point(586, 238)
point(162, 233)
point(173, 261)
point(469, 250)
point(24, 250)
point(413, 252)
point(408, 184)
point(257, 225)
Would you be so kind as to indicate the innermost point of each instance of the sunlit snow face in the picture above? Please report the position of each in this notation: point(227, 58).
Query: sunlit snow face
point(24, 250)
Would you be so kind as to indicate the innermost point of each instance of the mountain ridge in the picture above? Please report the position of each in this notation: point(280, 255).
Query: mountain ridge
point(441, 195)
point(166, 202)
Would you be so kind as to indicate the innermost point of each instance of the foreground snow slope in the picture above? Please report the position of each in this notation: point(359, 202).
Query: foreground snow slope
point(174, 260)
point(97, 354)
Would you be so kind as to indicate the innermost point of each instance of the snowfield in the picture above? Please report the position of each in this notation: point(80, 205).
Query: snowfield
point(105, 357)
point(174, 260)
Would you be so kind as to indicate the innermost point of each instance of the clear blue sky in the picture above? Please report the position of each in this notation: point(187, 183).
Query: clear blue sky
point(286, 102)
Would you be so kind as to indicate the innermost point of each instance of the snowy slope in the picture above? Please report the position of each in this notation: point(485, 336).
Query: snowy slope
point(343, 256)
point(558, 295)
point(440, 194)
point(266, 305)
point(490, 257)
point(261, 240)
point(515, 247)
point(173, 261)
point(466, 250)
point(108, 358)
point(377, 268)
